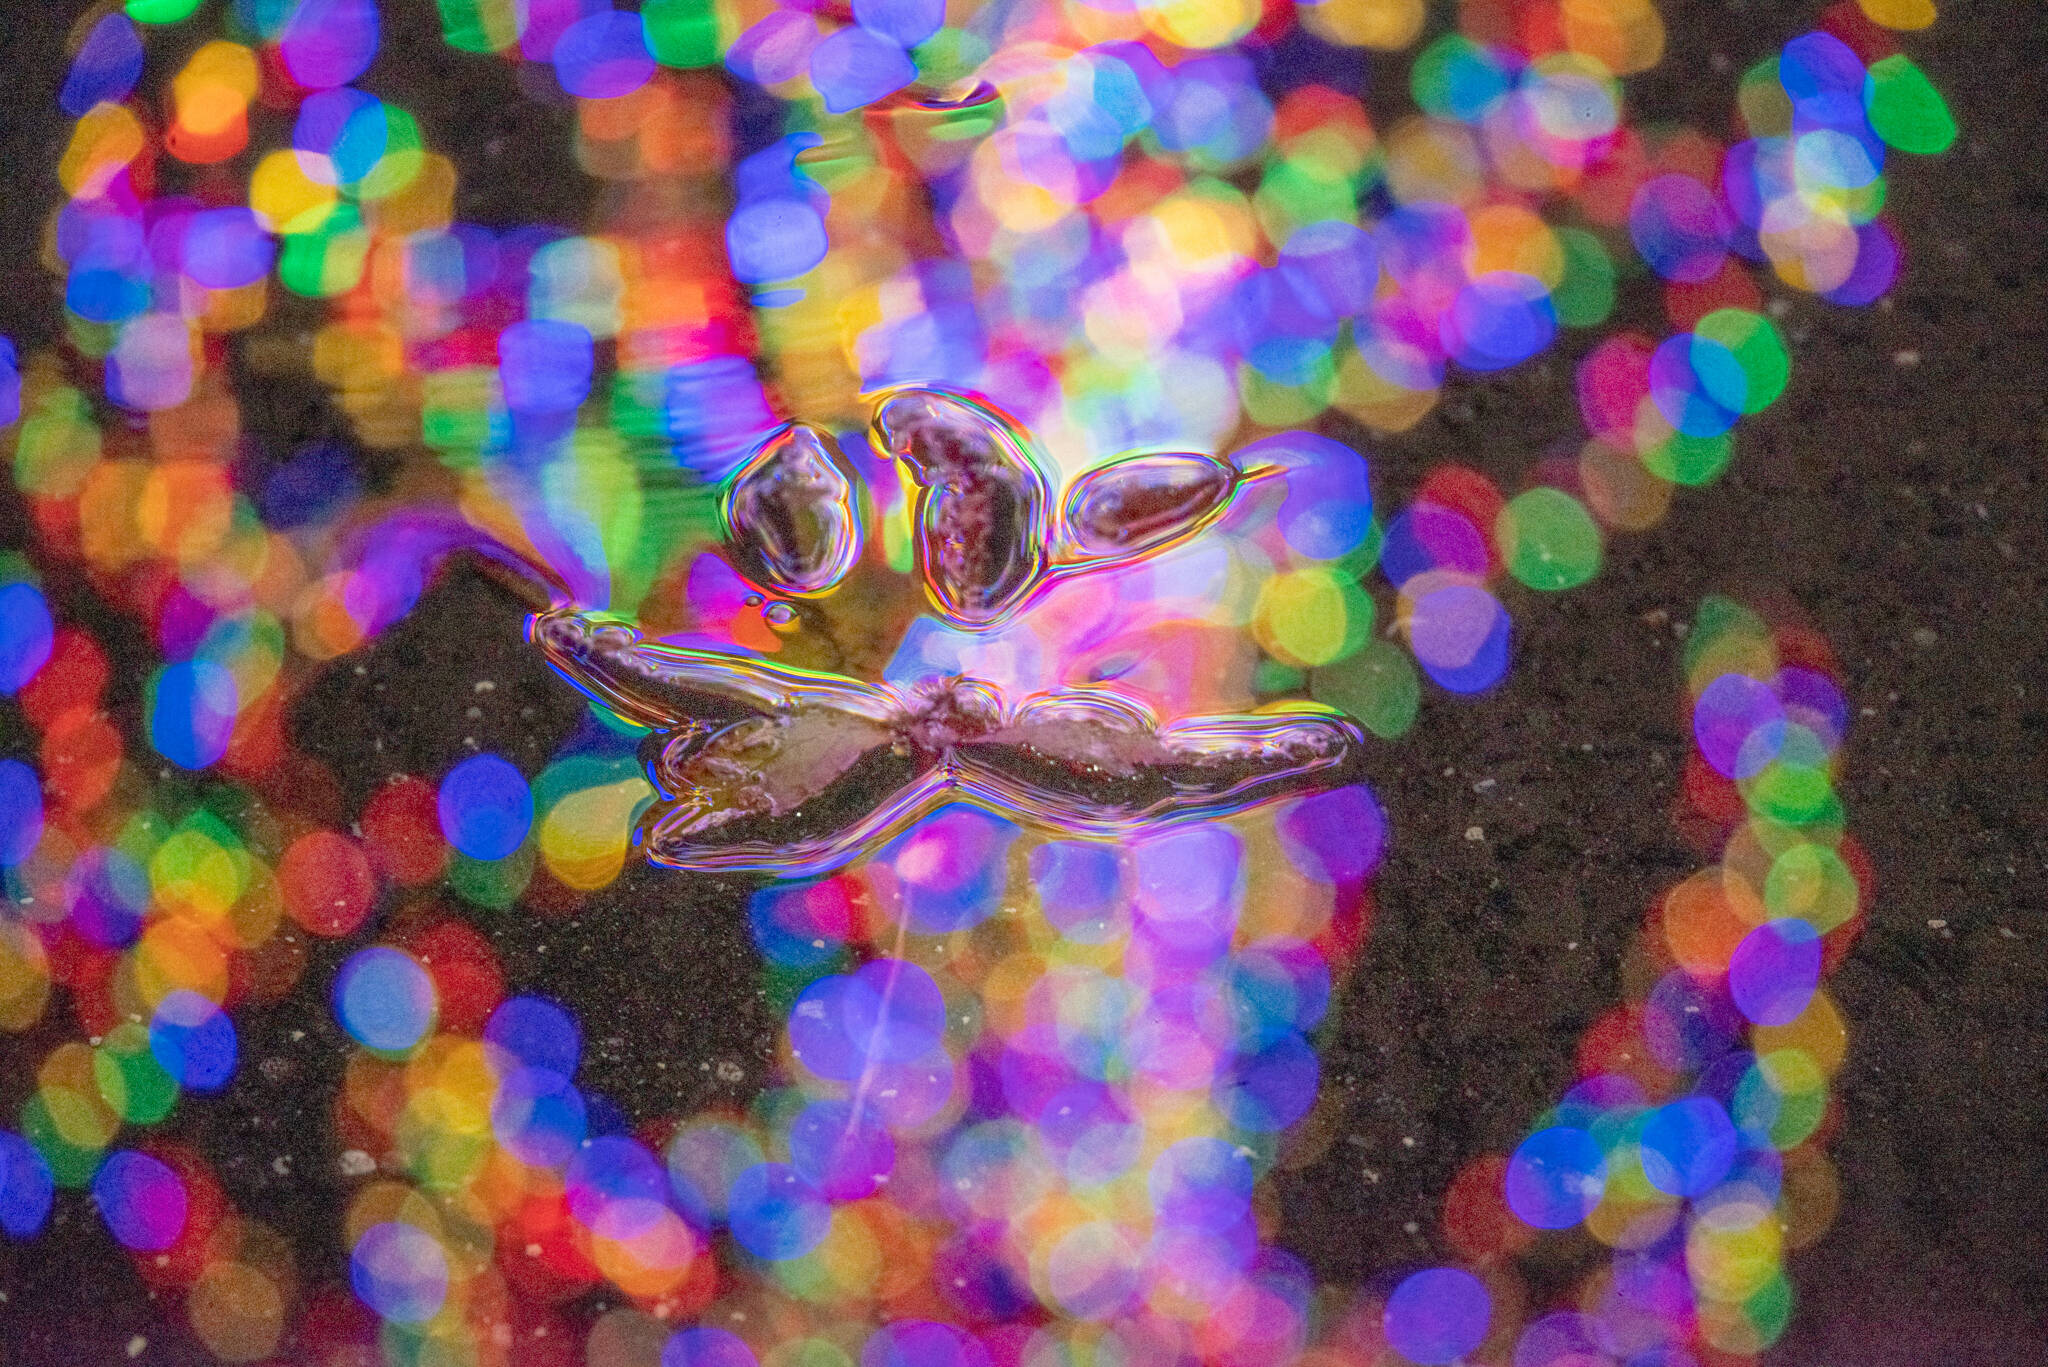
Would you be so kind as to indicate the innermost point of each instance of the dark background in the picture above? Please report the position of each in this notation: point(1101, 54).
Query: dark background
point(1900, 501)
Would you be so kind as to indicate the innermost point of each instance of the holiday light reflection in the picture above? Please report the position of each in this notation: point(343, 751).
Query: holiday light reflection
point(1103, 221)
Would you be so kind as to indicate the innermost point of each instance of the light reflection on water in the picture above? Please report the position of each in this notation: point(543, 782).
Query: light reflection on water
point(1054, 753)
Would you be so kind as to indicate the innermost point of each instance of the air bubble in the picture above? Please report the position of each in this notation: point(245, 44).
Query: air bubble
point(970, 94)
point(1141, 504)
point(983, 506)
point(763, 768)
point(791, 516)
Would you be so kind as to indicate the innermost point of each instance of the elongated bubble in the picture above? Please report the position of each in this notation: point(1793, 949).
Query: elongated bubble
point(765, 768)
point(1141, 504)
point(982, 515)
point(791, 517)
point(796, 797)
point(665, 687)
point(969, 94)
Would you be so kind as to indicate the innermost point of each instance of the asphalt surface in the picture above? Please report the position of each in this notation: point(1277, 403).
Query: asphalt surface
point(1897, 493)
